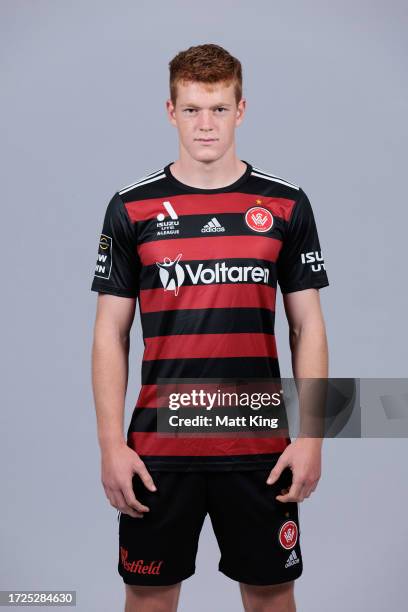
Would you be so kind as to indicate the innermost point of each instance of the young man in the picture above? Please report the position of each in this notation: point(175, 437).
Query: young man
point(203, 243)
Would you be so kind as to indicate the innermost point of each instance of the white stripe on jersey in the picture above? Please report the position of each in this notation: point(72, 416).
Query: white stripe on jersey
point(149, 178)
point(271, 177)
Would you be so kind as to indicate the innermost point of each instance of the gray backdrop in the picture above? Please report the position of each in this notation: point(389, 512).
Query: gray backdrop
point(83, 113)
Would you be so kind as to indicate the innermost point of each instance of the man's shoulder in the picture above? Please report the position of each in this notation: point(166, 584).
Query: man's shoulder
point(142, 187)
point(286, 187)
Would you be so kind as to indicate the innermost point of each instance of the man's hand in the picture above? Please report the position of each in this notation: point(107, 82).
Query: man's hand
point(303, 456)
point(119, 463)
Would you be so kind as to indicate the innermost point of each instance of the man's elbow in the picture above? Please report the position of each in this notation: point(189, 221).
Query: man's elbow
point(310, 327)
point(108, 332)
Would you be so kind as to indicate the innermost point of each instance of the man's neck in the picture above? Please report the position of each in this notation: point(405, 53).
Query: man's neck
point(208, 175)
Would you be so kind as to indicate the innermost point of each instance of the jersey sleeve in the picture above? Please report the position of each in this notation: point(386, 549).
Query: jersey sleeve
point(300, 263)
point(117, 263)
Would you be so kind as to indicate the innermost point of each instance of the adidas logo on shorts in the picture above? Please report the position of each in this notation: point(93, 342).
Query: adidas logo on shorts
point(213, 226)
point(292, 559)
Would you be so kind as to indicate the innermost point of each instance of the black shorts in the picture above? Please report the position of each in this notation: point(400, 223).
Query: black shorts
point(258, 536)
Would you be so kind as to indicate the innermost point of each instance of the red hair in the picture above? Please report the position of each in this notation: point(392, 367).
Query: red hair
point(208, 64)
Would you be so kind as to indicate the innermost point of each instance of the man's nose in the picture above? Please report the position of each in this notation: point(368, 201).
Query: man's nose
point(205, 120)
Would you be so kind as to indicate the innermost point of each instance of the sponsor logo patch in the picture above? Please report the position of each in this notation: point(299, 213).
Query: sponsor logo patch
point(104, 259)
point(315, 258)
point(139, 566)
point(173, 274)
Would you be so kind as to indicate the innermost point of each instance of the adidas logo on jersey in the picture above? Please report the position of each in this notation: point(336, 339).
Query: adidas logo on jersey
point(213, 226)
point(292, 559)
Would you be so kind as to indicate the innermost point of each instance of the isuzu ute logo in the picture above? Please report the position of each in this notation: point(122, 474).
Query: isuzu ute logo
point(172, 274)
point(161, 216)
point(313, 257)
point(259, 219)
point(170, 226)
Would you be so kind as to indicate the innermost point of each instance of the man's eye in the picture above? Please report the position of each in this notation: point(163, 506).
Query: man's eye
point(221, 108)
point(190, 110)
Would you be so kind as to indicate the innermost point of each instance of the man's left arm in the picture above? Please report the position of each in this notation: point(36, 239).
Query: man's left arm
point(301, 273)
point(308, 343)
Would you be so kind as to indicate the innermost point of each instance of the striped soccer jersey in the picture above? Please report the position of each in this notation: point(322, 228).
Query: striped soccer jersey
point(205, 265)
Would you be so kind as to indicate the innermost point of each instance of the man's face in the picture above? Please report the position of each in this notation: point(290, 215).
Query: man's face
point(206, 118)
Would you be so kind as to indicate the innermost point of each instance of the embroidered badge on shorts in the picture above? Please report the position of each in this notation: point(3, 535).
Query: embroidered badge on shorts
point(288, 535)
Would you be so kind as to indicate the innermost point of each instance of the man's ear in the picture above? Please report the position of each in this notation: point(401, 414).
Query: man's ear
point(170, 108)
point(240, 111)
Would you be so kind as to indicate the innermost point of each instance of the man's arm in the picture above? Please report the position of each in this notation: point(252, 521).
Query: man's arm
point(110, 352)
point(307, 334)
point(308, 343)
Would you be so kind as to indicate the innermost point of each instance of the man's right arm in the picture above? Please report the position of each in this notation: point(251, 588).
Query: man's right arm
point(110, 352)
